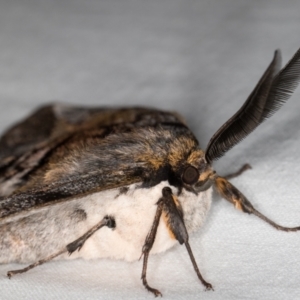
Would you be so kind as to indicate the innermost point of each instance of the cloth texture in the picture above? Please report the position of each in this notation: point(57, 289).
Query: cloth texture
point(201, 59)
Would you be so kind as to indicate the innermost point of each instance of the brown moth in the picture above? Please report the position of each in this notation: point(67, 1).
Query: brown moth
point(120, 183)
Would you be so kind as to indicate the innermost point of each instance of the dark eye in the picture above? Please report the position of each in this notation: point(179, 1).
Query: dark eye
point(190, 175)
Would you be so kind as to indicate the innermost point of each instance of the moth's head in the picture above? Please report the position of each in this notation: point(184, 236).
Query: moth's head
point(271, 92)
point(196, 174)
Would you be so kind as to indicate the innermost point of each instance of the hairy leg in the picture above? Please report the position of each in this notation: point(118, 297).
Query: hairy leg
point(170, 208)
point(229, 192)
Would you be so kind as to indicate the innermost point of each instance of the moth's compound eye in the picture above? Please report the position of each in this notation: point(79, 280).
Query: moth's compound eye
point(190, 175)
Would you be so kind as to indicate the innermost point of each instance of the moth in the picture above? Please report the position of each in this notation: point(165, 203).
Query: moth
point(120, 183)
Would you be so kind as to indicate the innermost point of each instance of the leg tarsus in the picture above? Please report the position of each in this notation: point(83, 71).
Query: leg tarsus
point(244, 168)
point(145, 283)
point(272, 223)
point(148, 246)
point(37, 263)
point(207, 285)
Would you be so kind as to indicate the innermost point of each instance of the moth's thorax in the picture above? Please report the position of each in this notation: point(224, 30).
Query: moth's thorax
point(133, 209)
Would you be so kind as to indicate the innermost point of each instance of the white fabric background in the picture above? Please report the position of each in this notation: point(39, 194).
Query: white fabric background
point(200, 58)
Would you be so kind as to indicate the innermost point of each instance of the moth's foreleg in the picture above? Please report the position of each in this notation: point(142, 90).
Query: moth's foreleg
point(77, 244)
point(244, 168)
point(229, 192)
point(173, 215)
point(169, 207)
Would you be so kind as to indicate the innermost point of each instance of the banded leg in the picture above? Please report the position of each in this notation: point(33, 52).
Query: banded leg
point(170, 207)
point(229, 192)
point(70, 248)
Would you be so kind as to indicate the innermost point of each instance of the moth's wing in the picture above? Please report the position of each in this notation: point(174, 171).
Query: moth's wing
point(26, 146)
point(86, 164)
point(83, 164)
point(98, 157)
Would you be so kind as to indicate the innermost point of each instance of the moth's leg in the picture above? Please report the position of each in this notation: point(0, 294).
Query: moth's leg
point(37, 263)
point(147, 247)
point(244, 168)
point(170, 208)
point(229, 192)
point(77, 244)
point(173, 215)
